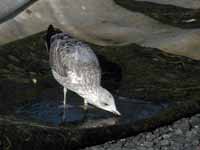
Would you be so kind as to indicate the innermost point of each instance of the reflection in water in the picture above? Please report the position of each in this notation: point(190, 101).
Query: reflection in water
point(64, 114)
point(49, 112)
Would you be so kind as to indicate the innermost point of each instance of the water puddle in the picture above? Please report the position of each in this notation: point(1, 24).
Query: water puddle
point(48, 110)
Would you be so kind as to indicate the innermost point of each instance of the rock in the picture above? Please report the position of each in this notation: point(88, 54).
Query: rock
point(13, 67)
point(177, 16)
point(134, 68)
point(175, 147)
point(197, 115)
point(116, 146)
point(196, 127)
point(130, 144)
point(178, 132)
point(9, 9)
point(13, 58)
point(194, 121)
point(195, 142)
point(164, 130)
point(172, 143)
point(164, 142)
point(164, 148)
point(150, 137)
point(166, 136)
point(148, 144)
point(182, 125)
point(180, 3)
point(106, 23)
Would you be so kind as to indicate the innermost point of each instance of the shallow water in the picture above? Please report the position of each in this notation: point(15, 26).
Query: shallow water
point(48, 110)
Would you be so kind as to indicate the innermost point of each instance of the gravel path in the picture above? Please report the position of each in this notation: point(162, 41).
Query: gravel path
point(183, 134)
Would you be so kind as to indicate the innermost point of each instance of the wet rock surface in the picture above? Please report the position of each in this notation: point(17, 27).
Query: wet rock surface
point(141, 76)
point(183, 134)
point(47, 109)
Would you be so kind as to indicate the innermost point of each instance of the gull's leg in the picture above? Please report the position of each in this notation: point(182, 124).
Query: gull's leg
point(85, 107)
point(64, 115)
point(65, 93)
point(64, 104)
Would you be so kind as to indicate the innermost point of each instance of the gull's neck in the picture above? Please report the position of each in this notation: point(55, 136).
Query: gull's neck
point(92, 94)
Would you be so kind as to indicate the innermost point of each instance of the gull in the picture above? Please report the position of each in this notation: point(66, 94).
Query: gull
point(75, 66)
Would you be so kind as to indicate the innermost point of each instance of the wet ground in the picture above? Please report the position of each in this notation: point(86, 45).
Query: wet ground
point(151, 89)
point(47, 109)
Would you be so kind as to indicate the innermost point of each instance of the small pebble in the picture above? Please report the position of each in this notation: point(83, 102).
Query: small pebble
point(164, 142)
point(34, 80)
point(13, 58)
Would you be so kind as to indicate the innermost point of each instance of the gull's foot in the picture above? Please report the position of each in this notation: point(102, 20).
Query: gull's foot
point(85, 108)
point(65, 106)
point(85, 116)
point(64, 116)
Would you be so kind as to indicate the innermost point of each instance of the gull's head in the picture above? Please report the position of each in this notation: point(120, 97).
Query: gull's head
point(105, 101)
point(51, 31)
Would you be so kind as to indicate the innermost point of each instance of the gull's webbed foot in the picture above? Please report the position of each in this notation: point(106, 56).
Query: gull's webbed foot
point(85, 106)
point(65, 106)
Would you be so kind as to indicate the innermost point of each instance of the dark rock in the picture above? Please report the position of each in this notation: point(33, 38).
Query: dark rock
point(135, 69)
point(13, 58)
point(168, 14)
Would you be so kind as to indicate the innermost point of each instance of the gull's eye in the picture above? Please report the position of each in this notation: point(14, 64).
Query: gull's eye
point(104, 104)
point(68, 50)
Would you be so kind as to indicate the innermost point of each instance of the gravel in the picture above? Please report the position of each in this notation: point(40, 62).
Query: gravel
point(183, 134)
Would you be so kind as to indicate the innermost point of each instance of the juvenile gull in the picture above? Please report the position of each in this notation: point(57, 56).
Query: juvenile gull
point(75, 66)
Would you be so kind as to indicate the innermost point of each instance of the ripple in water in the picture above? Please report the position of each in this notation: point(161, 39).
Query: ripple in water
point(50, 112)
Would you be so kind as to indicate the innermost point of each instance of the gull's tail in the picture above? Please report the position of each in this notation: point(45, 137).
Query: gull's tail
point(50, 32)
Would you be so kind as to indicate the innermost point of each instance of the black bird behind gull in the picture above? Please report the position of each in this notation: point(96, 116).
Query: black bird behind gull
point(75, 66)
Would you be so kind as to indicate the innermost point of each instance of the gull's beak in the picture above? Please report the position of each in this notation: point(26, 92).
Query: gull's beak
point(117, 113)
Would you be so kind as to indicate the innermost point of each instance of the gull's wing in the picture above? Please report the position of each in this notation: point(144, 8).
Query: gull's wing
point(75, 61)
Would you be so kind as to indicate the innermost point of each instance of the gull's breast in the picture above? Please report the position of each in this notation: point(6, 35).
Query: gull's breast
point(75, 79)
